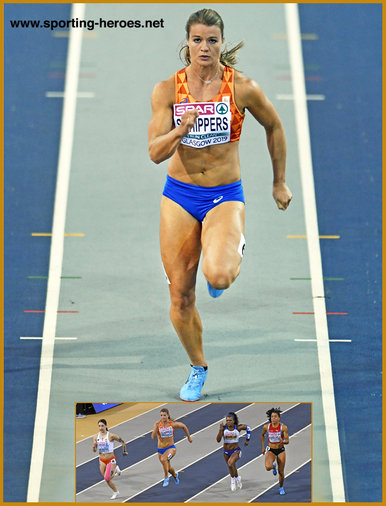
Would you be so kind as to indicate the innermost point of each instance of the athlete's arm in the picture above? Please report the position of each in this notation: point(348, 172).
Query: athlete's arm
point(163, 138)
point(265, 428)
point(115, 437)
point(248, 430)
point(94, 444)
point(155, 430)
point(181, 425)
point(220, 432)
point(285, 434)
point(251, 97)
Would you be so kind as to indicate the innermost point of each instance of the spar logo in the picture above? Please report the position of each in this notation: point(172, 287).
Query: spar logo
point(222, 108)
point(204, 108)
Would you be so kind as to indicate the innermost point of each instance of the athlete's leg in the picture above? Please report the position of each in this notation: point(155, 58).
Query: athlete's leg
point(180, 238)
point(226, 457)
point(222, 233)
point(102, 468)
point(281, 464)
point(170, 454)
point(165, 459)
point(269, 460)
point(232, 463)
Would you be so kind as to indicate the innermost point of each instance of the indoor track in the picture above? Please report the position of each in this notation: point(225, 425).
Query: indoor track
point(202, 470)
point(86, 302)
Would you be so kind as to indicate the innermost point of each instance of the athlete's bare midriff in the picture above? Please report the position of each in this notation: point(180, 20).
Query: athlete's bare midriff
point(231, 446)
point(106, 456)
point(165, 442)
point(275, 446)
point(210, 166)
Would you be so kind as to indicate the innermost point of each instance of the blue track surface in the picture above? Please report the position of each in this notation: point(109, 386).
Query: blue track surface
point(212, 468)
point(141, 448)
point(346, 148)
point(32, 128)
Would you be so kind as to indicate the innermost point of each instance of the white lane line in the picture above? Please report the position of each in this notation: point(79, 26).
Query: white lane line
point(330, 340)
point(56, 258)
point(286, 96)
point(62, 94)
point(57, 338)
point(323, 345)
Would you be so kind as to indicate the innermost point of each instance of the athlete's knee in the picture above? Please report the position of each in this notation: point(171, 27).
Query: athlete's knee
point(220, 277)
point(268, 467)
point(182, 301)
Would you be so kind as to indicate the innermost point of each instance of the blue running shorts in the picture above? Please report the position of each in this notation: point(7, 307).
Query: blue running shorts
point(199, 200)
point(163, 450)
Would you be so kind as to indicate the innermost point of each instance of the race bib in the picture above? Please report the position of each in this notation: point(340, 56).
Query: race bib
point(213, 126)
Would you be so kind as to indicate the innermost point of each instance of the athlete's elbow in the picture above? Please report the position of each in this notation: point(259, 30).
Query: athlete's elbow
point(154, 156)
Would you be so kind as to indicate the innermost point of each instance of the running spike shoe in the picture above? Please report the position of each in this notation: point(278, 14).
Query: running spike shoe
point(233, 484)
point(176, 480)
point(165, 482)
point(274, 470)
point(191, 390)
point(238, 482)
point(281, 491)
point(115, 495)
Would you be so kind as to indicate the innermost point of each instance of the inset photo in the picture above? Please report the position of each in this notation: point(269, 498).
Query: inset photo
point(193, 452)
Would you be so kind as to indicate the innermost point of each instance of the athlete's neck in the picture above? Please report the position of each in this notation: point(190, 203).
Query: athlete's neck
point(206, 75)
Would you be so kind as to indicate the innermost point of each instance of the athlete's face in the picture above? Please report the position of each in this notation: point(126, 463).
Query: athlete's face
point(205, 44)
point(275, 418)
point(164, 416)
point(229, 421)
point(102, 427)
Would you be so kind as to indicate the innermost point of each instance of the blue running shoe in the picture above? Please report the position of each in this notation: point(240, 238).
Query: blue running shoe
point(177, 481)
point(274, 470)
point(191, 390)
point(166, 482)
point(281, 491)
point(213, 292)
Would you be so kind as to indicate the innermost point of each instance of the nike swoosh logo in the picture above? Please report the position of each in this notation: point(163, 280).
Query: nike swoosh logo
point(218, 199)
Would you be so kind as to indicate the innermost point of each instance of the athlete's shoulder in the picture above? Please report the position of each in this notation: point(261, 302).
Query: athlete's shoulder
point(247, 89)
point(164, 90)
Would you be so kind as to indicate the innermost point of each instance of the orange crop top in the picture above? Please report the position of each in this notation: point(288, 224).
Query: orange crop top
point(219, 122)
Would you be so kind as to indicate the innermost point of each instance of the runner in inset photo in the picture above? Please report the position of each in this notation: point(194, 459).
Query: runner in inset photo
point(277, 434)
point(104, 443)
point(164, 431)
point(230, 432)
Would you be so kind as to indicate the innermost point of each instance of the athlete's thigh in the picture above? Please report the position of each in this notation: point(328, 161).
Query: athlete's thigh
point(234, 458)
point(113, 468)
point(102, 468)
point(221, 231)
point(180, 240)
point(169, 454)
point(269, 458)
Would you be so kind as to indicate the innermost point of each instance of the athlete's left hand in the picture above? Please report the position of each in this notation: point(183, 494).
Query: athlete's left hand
point(246, 442)
point(125, 453)
point(190, 439)
point(282, 195)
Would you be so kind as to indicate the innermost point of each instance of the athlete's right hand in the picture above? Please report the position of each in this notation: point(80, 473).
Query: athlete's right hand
point(262, 451)
point(188, 120)
point(222, 426)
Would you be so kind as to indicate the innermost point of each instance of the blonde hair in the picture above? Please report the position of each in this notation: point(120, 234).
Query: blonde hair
point(210, 17)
